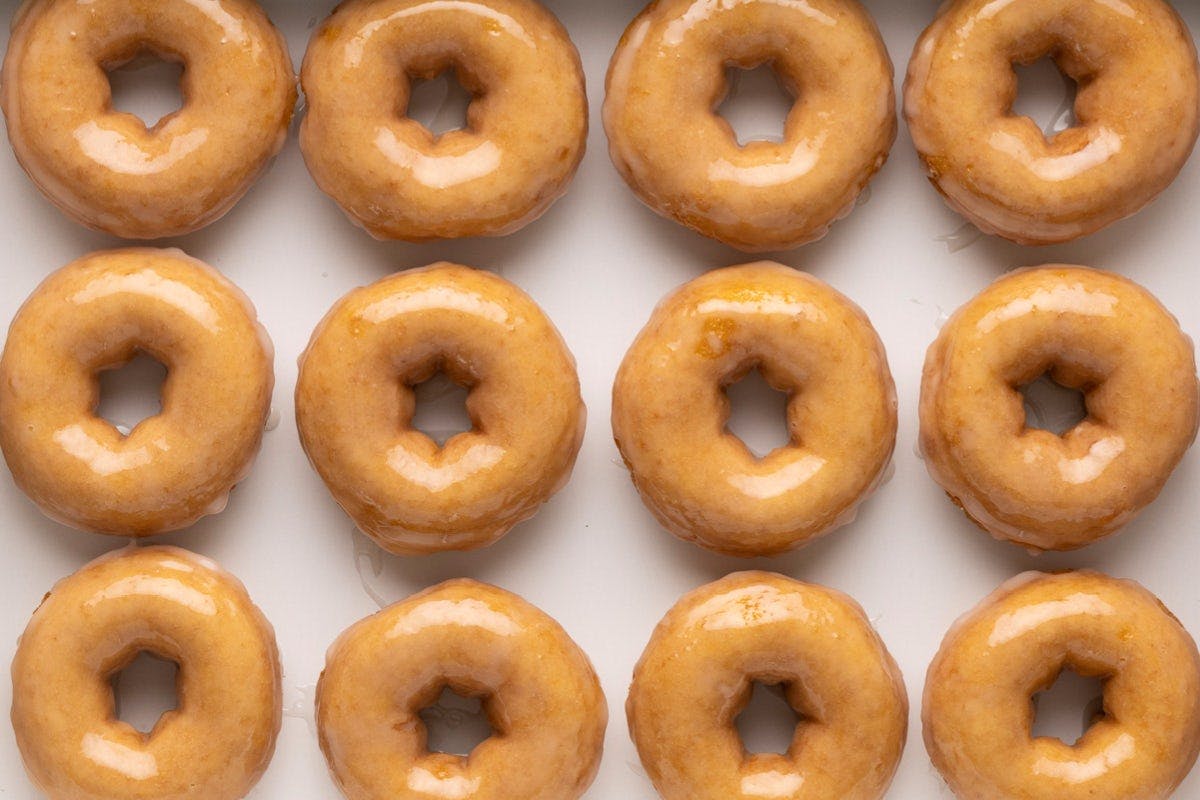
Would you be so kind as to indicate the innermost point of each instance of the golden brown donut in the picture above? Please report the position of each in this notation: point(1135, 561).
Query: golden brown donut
point(97, 313)
point(978, 713)
point(178, 606)
point(354, 408)
point(669, 410)
point(539, 692)
point(526, 126)
point(103, 167)
point(683, 160)
point(696, 676)
point(1137, 112)
point(1089, 330)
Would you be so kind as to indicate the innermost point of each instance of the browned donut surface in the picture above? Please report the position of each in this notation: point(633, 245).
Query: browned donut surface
point(978, 713)
point(1088, 329)
point(95, 314)
point(175, 605)
point(104, 167)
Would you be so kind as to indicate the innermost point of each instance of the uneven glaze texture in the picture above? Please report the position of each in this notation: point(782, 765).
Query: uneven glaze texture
point(667, 78)
point(1137, 112)
point(103, 167)
point(526, 126)
point(538, 689)
point(180, 607)
point(696, 676)
point(978, 714)
point(98, 313)
point(1089, 330)
point(670, 409)
point(355, 404)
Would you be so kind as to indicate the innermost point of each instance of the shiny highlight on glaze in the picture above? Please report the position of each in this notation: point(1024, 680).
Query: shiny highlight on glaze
point(526, 126)
point(355, 405)
point(696, 674)
point(667, 78)
point(978, 713)
point(539, 691)
point(1087, 329)
point(218, 741)
point(669, 410)
point(997, 168)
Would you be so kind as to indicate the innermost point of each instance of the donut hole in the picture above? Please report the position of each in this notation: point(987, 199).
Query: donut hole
point(1045, 94)
point(439, 102)
point(441, 408)
point(131, 392)
point(455, 723)
point(147, 86)
point(1051, 406)
point(768, 722)
point(144, 690)
point(1069, 707)
point(758, 413)
point(756, 103)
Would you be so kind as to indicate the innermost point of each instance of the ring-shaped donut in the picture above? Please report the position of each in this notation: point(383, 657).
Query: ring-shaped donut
point(1137, 112)
point(696, 676)
point(669, 410)
point(667, 78)
point(103, 167)
point(355, 404)
point(95, 314)
point(978, 713)
point(526, 126)
point(180, 607)
point(1089, 330)
point(538, 691)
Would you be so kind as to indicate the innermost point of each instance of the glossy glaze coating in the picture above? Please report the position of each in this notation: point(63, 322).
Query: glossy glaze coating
point(97, 313)
point(1087, 329)
point(354, 408)
point(103, 167)
point(978, 713)
point(669, 410)
point(1137, 112)
point(180, 607)
point(526, 126)
point(538, 689)
point(667, 79)
point(696, 676)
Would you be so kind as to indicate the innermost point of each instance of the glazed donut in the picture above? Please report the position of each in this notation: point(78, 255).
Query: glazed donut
point(1137, 112)
point(354, 408)
point(103, 167)
point(95, 314)
point(669, 410)
point(683, 160)
point(978, 712)
point(539, 692)
point(526, 126)
point(696, 676)
point(178, 606)
point(1089, 330)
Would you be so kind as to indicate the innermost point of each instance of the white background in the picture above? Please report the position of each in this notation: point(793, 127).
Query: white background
point(593, 558)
